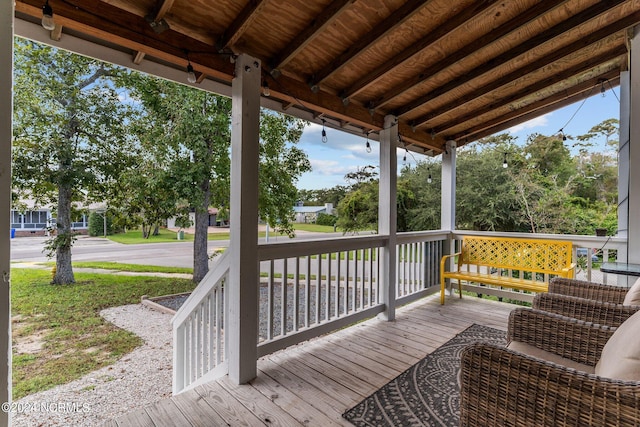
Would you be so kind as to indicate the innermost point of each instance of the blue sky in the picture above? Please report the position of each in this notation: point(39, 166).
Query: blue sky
point(344, 153)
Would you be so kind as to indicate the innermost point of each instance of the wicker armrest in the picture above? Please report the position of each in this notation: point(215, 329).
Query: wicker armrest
point(589, 290)
point(567, 337)
point(501, 387)
point(603, 313)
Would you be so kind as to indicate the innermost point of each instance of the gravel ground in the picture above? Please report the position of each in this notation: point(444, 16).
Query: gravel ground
point(139, 379)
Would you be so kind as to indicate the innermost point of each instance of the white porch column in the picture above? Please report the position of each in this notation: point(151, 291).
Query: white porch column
point(448, 187)
point(6, 112)
point(448, 198)
point(242, 328)
point(388, 213)
point(623, 168)
point(633, 234)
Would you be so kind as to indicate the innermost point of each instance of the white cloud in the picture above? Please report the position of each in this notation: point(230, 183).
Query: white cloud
point(330, 167)
point(540, 121)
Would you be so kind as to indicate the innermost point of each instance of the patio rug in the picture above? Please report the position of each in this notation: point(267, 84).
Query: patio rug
point(426, 394)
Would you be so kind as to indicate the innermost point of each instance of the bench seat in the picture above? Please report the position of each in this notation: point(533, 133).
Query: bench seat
point(525, 258)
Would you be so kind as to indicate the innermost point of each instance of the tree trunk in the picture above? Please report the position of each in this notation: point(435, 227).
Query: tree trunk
point(156, 230)
point(200, 239)
point(64, 238)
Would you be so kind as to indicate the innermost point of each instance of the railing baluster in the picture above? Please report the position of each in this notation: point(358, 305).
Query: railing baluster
point(296, 295)
point(362, 282)
point(336, 299)
point(327, 289)
point(318, 285)
point(307, 293)
point(284, 299)
point(270, 301)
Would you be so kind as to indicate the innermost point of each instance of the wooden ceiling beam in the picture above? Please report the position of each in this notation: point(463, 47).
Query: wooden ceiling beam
point(138, 57)
point(529, 90)
point(495, 34)
point(511, 54)
point(162, 7)
point(393, 21)
point(242, 22)
point(538, 108)
point(439, 32)
point(591, 40)
point(330, 13)
point(132, 32)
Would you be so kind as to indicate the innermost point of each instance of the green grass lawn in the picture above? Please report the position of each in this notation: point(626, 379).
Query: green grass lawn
point(135, 236)
point(65, 319)
point(118, 266)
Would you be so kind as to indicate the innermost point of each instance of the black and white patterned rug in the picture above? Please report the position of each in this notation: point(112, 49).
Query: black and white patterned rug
point(427, 394)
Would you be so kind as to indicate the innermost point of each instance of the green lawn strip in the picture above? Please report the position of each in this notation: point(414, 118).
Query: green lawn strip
point(118, 266)
point(75, 339)
point(314, 227)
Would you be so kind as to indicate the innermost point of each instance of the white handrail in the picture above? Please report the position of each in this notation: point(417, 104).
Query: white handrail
point(199, 347)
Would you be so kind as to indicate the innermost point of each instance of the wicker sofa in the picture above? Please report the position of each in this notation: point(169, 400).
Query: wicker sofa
point(556, 371)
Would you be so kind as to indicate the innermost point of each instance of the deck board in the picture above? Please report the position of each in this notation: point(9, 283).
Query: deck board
point(315, 382)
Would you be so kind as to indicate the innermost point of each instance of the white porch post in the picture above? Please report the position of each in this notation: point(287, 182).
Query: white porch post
point(387, 213)
point(633, 227)
point(6, 112)
point(242, 328)
point(448, 188)
point(448, 197)
point(623, 169)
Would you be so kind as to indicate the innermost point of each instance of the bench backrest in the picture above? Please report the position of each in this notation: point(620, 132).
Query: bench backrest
point(536, 255)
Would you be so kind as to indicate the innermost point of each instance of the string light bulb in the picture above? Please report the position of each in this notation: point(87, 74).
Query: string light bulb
point(429, 180)
point(404, 159)
point(602, 89)
point(324, 132)
point(265, 89)
point(505, 164)
point(561, 134)
point(191, 75)
point(368, 145)
point(47, 17)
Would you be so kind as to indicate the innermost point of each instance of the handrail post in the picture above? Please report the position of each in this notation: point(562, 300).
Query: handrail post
point(387, 214)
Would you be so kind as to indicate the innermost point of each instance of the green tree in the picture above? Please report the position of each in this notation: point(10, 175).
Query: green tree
point(69, 136)
point(186, 133)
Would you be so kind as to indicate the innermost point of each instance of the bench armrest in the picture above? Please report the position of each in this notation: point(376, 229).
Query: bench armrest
point(501, 387)
point(565, 336)
point(443, 261)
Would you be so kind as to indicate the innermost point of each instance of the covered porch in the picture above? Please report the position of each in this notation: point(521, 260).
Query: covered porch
point(425, 76)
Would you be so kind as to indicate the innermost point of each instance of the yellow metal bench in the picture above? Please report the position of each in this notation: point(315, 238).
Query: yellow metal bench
point(509, 262)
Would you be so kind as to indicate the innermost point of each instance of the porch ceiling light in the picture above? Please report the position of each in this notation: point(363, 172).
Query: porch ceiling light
point(47, 17)
point(191, 75)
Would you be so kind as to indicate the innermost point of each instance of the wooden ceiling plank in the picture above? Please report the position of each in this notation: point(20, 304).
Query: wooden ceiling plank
point(330, 13)
point(541, 108)
point(538, 86)
point(511, 54)
point(242, 22)
point(529, 15)
point(439, 32)
point(580, 44)
point(537, 109)
point(393, 21)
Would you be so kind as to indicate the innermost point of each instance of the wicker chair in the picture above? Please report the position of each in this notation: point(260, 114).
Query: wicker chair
point(588, 310)
point(589, 290)
point(503, 387)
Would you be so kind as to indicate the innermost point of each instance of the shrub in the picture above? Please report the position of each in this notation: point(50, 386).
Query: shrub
point(326, 219)
point(96, 224)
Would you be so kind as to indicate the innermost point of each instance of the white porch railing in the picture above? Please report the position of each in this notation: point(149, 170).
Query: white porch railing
point(309, 288)
point(199, 347)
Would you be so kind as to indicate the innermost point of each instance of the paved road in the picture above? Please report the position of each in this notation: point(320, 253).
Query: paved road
point(174, 254)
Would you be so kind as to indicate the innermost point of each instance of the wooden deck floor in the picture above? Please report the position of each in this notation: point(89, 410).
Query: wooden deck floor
point(313, 383)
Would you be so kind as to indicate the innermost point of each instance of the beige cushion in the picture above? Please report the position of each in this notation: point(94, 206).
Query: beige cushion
point(633, 295)
point(620, 358)
point(538, 353)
